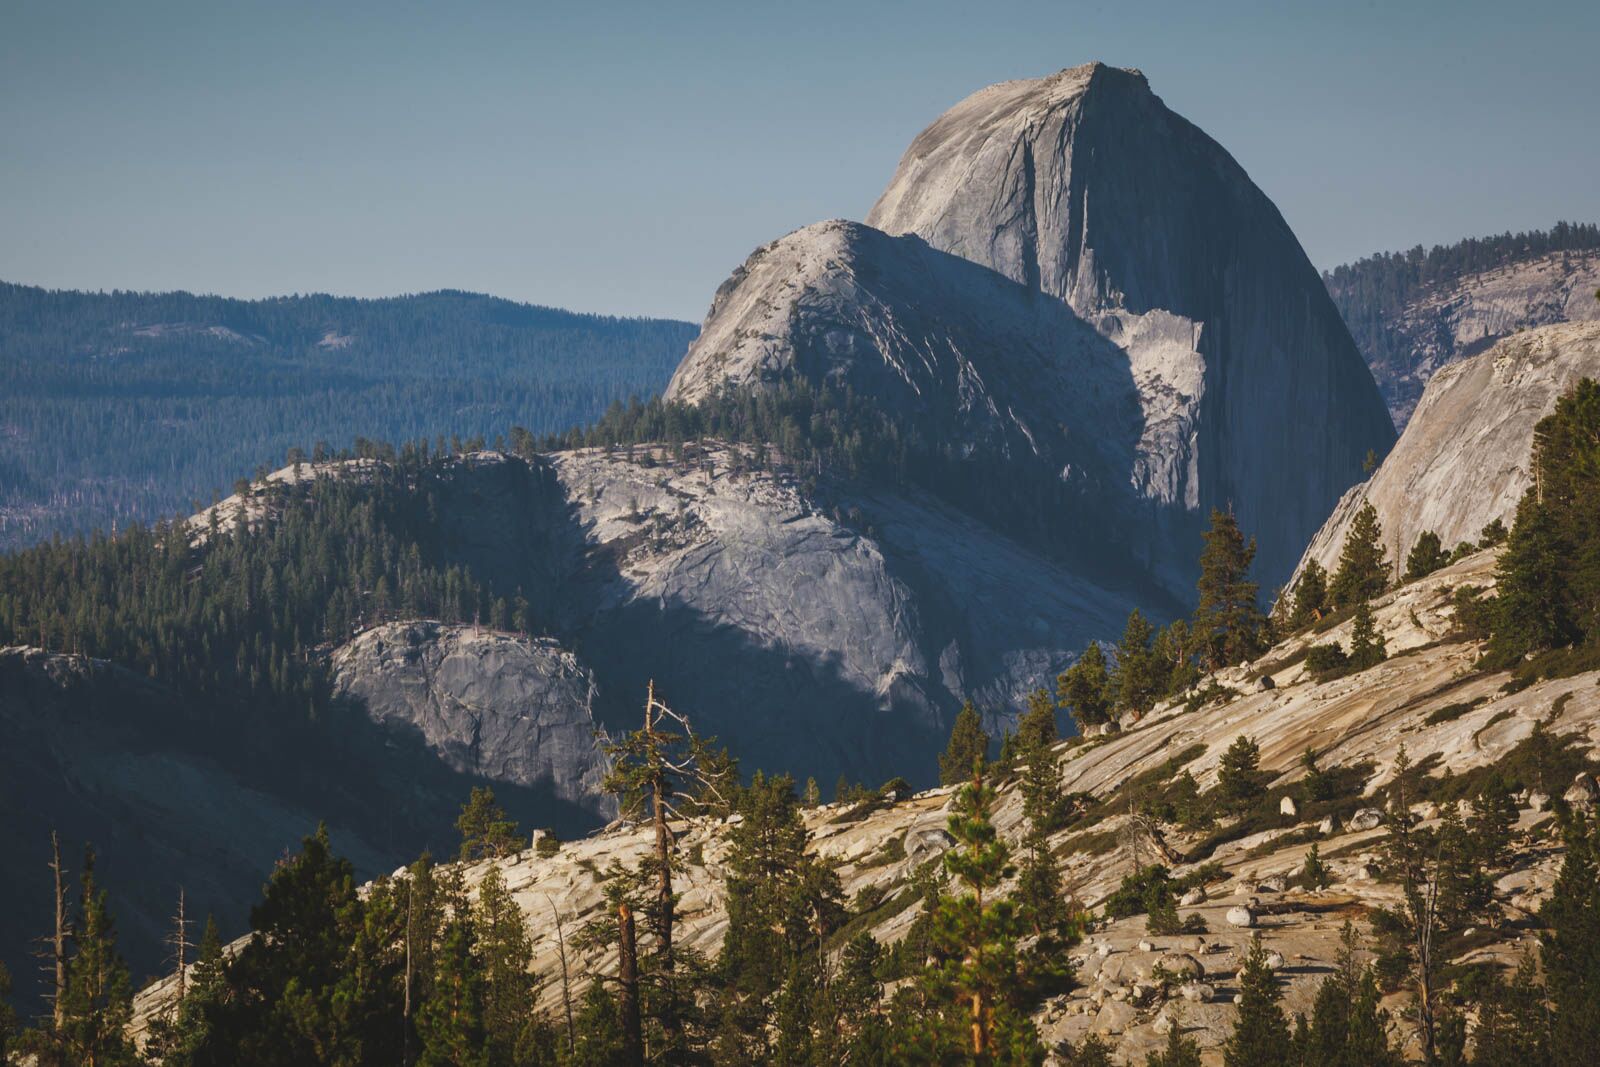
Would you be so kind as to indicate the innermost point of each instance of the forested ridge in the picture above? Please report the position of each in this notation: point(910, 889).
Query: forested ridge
point(235, 616)
point(125, 406)
point(1371, 291)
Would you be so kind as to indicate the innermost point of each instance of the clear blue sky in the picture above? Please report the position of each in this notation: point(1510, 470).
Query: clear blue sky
point(625, 157)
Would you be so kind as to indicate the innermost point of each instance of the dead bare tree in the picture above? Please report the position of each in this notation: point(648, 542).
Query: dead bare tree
point(178, 941)
point(628, 980)
point(664, 761)
point(54, 952)
point(566, 984)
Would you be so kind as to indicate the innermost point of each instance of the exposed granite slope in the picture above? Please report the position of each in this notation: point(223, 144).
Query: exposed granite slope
point(1465, 458)
point(1364, 718)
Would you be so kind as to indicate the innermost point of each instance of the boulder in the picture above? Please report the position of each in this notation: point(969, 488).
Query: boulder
point(1146, 946)
point(1197, 992)
point(1192, 897)
point(924, 843)
point(1275, 961)
point(1584, 792)
point(1276, 883)
point(1329, 825)
point(1181, 965)
point(1366, 819)
point(1538, 801)
point(1114, 1017)
point(1287, 806)
point(1239, 915)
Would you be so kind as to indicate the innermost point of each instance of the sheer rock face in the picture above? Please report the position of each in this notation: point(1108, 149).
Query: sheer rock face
point(1162, 336)
point(496, 706)
point(1465, 458)
point(1463, 318)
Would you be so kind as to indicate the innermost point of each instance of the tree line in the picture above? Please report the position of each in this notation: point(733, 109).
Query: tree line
point(122, 407)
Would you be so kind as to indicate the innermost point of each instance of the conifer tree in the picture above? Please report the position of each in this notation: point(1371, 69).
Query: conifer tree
point(1239, 773)
point(1571, 945)
point(1513, 1021)
point(1038, 891)
point(1363, 567)
point(1347, 1027)
point(450, 1021)
point(1367, 645)
point(968, 743)
point(316, 983)
point(8, 1016)
point(1532, 612)
point(977, 934)
point(505, 955)
point(657, 768)
point(174, 1041)
point(1260, 1036)
point(1310, 596)
point(1314, 873)
point(1138, 680)
point(99, 999)
point(1179, 1051)
point(1228, 623)
point(1037, 726)
point(1084, 690)
point(1426, 556)
point(1172, 649)
point(486, 831)
point(782, 905)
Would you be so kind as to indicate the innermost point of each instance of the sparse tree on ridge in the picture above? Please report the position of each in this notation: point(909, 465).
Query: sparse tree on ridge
point(1084, 689)
point(1363, 567)
point(968, 744)
point(1228, 623)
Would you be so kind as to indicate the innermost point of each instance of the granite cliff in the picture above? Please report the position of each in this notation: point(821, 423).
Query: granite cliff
point(1465, 457)
point(1077, 276)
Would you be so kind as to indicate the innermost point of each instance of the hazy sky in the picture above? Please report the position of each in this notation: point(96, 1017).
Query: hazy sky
point(625, 157)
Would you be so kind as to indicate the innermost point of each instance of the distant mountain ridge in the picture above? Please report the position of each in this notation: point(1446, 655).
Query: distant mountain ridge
point(122, 406)
point(1415, 311)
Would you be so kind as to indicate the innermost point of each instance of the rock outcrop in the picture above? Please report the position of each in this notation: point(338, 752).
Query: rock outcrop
point(1465, 458)
point(500, 707)
point(1080, 277)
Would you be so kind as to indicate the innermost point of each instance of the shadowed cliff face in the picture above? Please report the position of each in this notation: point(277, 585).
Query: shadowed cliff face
point(1084, 186)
